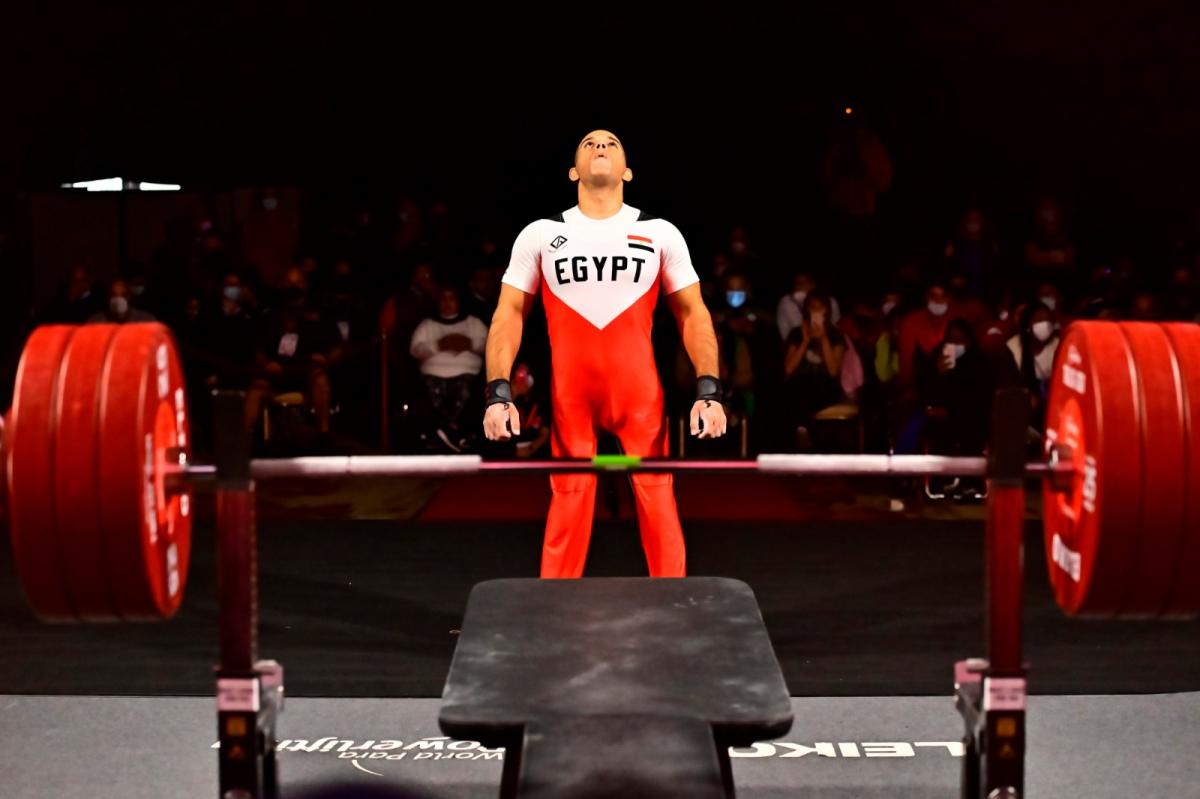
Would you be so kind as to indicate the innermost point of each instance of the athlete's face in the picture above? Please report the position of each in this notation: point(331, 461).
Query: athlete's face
point(600, 160)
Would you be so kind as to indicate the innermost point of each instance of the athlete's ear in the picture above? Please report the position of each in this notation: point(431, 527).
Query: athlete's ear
point(573, 174)
point(628, 176)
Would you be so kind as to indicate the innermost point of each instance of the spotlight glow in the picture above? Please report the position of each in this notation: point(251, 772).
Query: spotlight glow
point(121, 184)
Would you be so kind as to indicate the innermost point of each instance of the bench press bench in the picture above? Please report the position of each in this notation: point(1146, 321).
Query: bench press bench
point(629, 687)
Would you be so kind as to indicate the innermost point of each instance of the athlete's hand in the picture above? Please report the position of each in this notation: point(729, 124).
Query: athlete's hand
point(708, 419)
point(501, 421)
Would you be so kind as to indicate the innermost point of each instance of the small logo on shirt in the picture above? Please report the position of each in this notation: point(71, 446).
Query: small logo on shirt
point(558, 242)
point(640, 243)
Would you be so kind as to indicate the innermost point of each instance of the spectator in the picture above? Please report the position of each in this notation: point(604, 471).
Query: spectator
point(141, 295)
point(295, 347)
point(230, 360)
point(1033, 349)
point(812, 366)
point(749, 346)
point(790, 311)
point(1049, 251)
point(972, 253)
point(1048, 294)
point(892, 301)
point(120, 307)
point(887, 346)
point(957, 396)
point(922, 331)
point(449, 349)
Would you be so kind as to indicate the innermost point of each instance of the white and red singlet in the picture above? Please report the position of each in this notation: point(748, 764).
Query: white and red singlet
point(600, 280)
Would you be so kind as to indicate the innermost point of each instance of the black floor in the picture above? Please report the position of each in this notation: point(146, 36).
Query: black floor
point(370, 609)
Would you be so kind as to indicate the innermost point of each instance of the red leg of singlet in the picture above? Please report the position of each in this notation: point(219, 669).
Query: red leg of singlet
point(572, 496)
point(643, 433)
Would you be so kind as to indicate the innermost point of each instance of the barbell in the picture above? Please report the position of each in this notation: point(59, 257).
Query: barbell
point(100, 483)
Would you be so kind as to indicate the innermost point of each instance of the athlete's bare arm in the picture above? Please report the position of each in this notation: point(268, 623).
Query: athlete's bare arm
point(700, 341)
point(501, 421)
point(696, 328)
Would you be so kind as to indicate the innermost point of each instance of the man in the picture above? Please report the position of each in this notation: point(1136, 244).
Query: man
point(296, 345)
point(921, 332)
point(120, 306)
point(600, 266)
point(449, 349)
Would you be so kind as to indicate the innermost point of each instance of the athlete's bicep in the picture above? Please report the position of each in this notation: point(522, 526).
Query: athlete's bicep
point(514, 301)
point(685, 302)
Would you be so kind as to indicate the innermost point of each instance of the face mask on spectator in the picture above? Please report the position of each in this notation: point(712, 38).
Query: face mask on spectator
point(799, 296)
point(938, 308)
point(1042, 330)
point(1049, 302)
point(887, 307)
point(953, 352)
point(232, 293)
point(119, 306)
point(736, 299)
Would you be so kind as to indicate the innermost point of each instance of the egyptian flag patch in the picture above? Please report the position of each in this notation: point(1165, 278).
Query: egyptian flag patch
point(640, 243)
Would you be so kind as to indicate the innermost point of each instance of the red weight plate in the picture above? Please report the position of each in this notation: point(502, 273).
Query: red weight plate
point(76, 478)
point(1185, 591)
point(1163, 478)
point(1091, 529)
point(142, 417)
point(36, 548)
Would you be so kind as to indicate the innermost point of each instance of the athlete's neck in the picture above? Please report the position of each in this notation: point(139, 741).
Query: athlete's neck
point(601, 202)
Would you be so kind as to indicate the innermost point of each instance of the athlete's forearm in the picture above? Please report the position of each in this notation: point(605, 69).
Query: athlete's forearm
point(700, 341)
point(503, 341)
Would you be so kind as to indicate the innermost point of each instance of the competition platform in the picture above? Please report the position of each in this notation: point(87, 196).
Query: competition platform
point(318, 653)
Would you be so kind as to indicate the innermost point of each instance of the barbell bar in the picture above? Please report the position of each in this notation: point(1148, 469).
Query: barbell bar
point(454, 465)
point(100, 481)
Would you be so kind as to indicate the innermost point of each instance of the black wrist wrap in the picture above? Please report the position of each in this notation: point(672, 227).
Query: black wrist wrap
point(709, 388)
point(497, 391)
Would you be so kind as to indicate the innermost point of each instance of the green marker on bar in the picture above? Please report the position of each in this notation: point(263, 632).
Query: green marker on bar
point(616, 462)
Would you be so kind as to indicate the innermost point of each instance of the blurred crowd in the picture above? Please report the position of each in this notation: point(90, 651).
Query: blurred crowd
point(372, 336)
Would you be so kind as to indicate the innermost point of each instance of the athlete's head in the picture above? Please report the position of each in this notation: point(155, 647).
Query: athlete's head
point(600, 161)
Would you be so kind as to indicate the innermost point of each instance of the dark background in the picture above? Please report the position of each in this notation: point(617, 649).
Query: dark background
point(723, 106)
